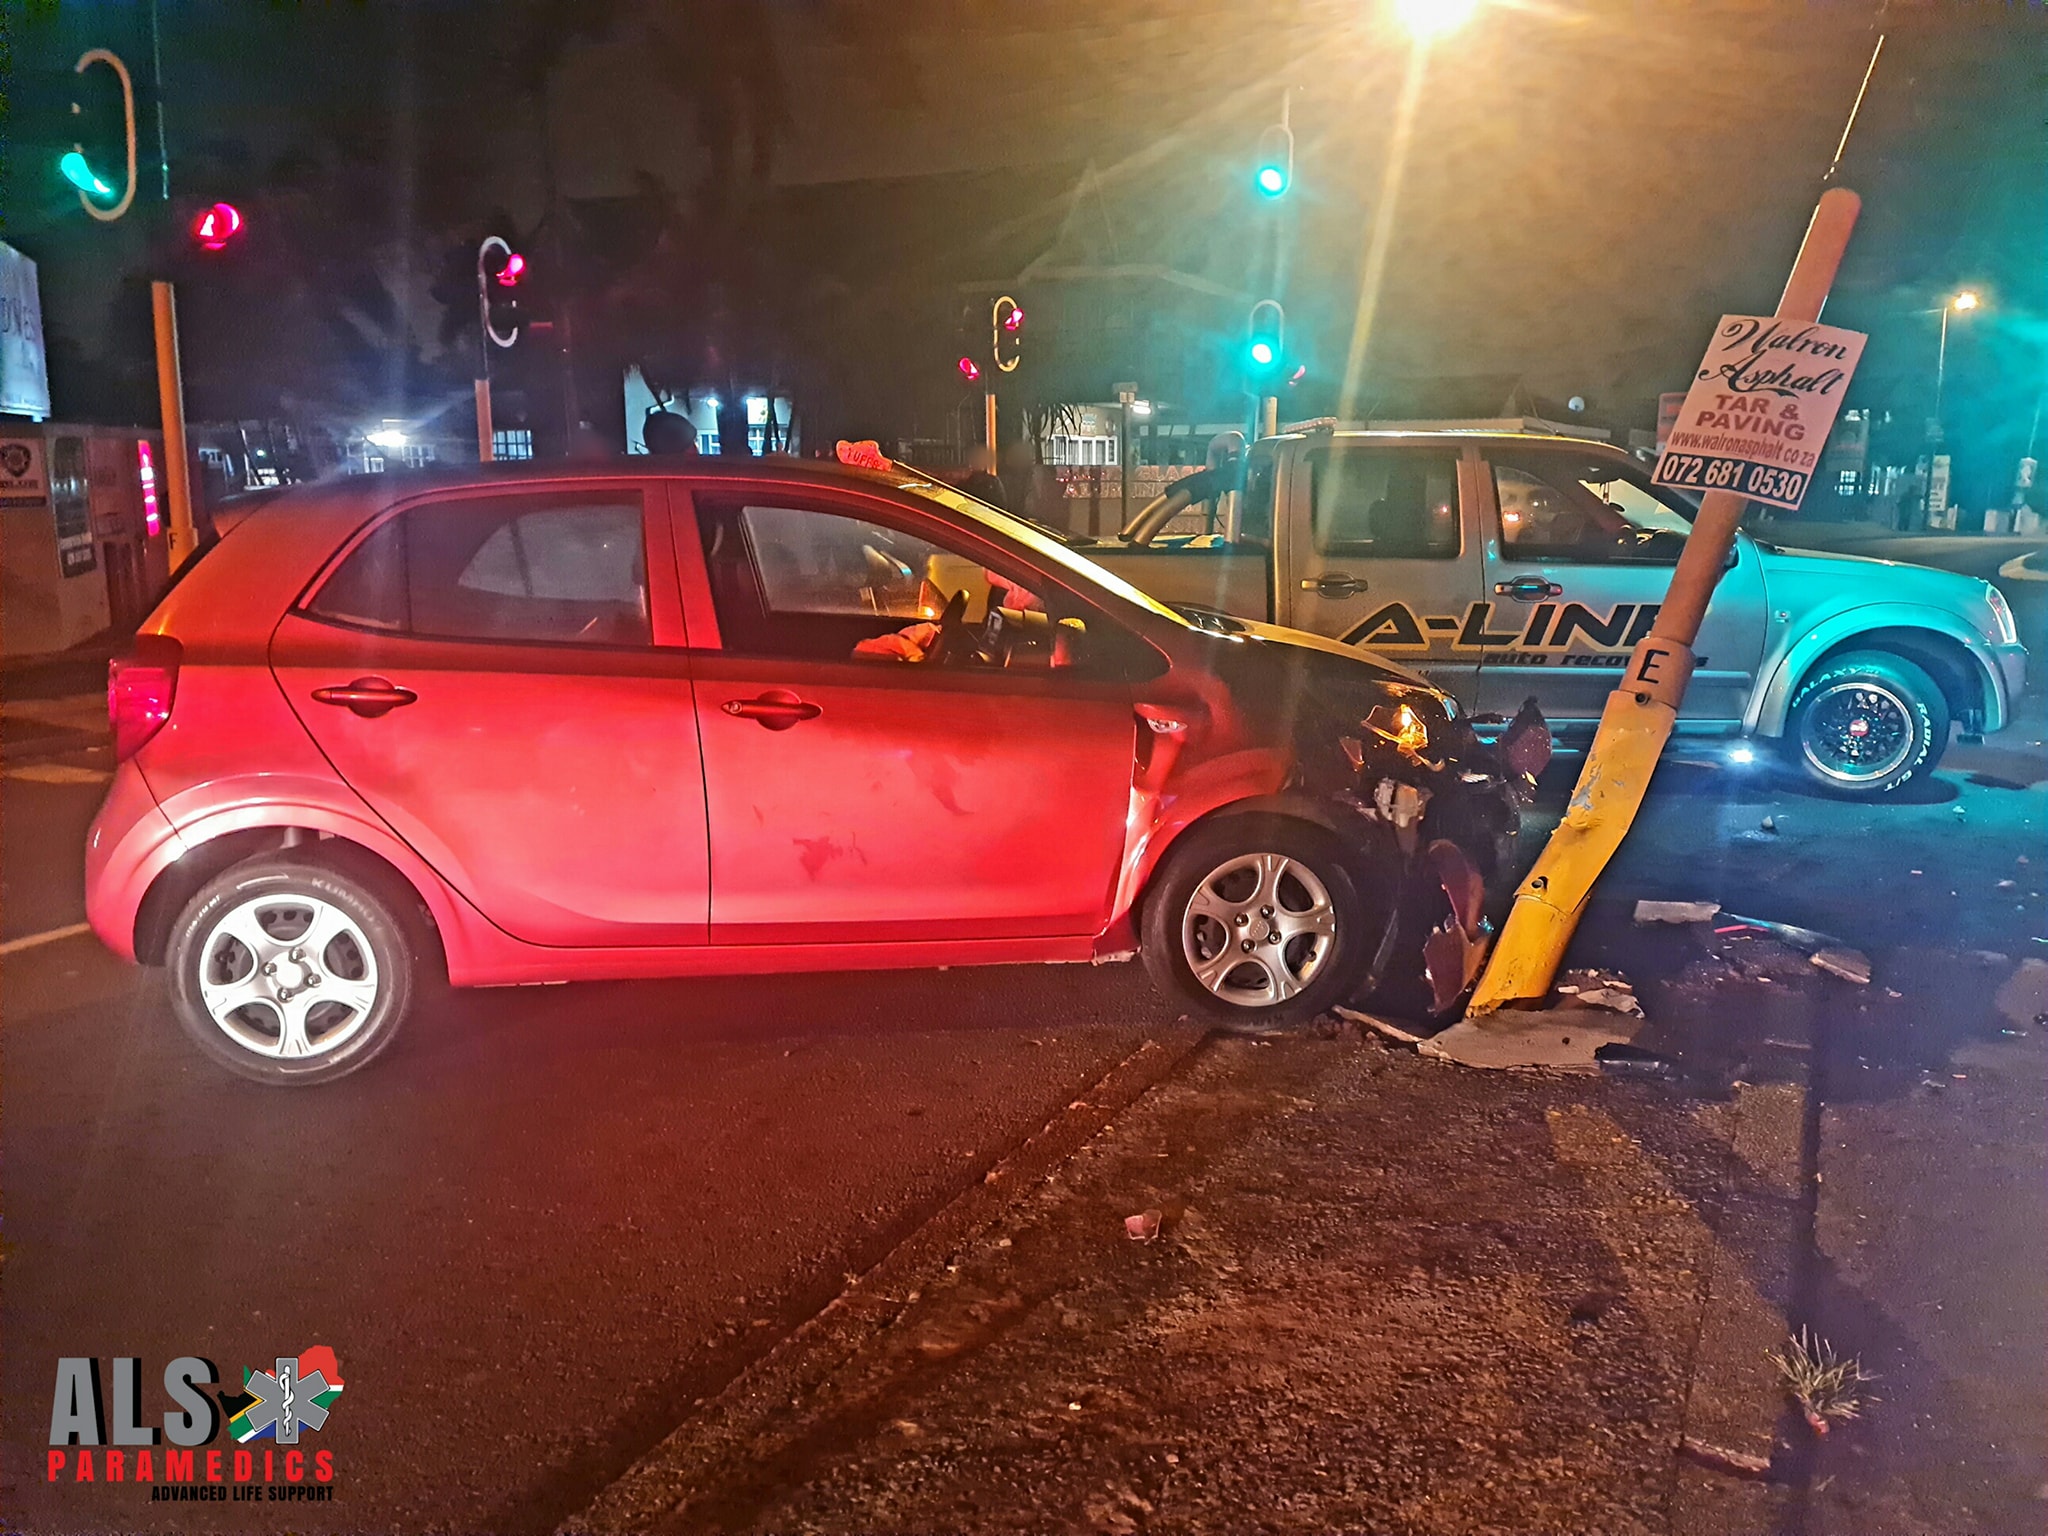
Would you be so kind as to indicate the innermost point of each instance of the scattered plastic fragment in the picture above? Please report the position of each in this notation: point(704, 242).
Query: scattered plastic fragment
point(1677, 911)
point(1602, 989)
point(1143, 1227)
point(1849, 964)
point(1621, 1059)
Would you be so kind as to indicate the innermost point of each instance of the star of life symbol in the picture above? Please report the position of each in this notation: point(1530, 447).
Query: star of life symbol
point(284, 1401)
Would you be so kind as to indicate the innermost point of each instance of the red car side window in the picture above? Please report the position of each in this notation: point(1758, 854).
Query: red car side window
point(529, 569)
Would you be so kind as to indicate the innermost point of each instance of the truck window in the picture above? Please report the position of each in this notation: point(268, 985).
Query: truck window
point(1384, 504)
point(1563, 506)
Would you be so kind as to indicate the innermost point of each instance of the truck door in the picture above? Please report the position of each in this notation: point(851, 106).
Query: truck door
point(1376, 550)
point(1579, 553)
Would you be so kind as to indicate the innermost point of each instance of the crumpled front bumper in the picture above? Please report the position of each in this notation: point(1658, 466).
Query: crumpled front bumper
point(1454, 818)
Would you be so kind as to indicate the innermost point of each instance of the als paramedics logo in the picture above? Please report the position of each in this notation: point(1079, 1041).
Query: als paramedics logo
point(276, 1406)
point(298, 1391)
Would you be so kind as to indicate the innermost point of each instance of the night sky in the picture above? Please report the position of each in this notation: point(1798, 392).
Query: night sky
point(1587, 185)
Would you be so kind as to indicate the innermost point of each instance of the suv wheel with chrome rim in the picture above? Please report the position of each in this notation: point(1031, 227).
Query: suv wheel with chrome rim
point(1257, 920)
point(289, 972)
point(1866, 723)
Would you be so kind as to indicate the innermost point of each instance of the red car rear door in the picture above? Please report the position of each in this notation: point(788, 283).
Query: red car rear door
point(501, 674)
point(860, 799)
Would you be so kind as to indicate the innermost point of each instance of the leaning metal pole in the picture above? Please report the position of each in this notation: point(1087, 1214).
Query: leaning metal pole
point(1640, 713)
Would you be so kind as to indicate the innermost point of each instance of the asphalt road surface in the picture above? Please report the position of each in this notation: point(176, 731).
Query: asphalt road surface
point(553, 1218)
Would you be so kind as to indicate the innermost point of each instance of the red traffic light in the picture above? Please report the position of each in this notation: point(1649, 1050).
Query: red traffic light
point(1013, 322)
point(513, 270)
point(216, 226)
point(969, 370)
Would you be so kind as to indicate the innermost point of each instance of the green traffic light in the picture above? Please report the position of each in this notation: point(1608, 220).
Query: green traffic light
point(82, 176)
point(1272, 180)
point(1263, 353)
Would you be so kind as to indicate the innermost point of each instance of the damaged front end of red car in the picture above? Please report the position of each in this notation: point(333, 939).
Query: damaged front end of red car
point(1449, 803)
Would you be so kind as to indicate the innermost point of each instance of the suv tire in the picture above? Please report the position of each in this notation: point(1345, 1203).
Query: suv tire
point(1866, 723)
point(291, 973)
point(1276, 893)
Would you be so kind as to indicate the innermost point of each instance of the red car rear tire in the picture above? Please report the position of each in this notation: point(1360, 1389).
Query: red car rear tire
point(290, 972)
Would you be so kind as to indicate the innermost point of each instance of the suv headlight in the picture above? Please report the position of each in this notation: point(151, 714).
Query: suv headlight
point(2001, 611)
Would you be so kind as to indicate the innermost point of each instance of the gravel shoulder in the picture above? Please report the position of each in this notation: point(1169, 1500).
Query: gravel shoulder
point(1386, 1294)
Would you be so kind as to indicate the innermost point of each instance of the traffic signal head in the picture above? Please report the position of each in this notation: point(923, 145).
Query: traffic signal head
point(80, 174)
point(1275, 173)
point(92, 174)
point(499, 270)
point(1266, 341)
point(1006, 323)
point(216, 226)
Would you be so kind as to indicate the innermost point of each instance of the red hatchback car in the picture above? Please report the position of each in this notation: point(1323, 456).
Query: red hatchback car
point(707, 719)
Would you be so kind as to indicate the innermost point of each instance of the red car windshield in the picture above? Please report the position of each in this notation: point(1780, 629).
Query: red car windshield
point(1038, 542)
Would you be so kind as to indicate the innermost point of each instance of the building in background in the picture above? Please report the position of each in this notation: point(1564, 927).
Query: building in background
point(84, 533)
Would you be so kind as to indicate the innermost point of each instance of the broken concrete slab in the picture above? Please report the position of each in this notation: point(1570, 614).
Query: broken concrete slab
point(1849, 964)
point(1385, 1028)
point(1551, 1039)
point(1677, 911)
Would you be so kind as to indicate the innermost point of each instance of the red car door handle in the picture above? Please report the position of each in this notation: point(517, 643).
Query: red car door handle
point(367, 696)
point(777, 709)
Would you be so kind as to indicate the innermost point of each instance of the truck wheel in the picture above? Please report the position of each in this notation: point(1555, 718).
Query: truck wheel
point(290, 972)
point(1257, 921)
point(1866, 723)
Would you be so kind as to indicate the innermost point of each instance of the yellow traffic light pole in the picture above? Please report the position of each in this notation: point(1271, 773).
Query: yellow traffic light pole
point(1640, 713)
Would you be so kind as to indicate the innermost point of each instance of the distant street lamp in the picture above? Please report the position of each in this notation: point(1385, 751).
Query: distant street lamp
point(1428, 20)
point(1961, 303)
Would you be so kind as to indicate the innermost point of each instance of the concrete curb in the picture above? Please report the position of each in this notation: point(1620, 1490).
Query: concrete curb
point(654, 1489)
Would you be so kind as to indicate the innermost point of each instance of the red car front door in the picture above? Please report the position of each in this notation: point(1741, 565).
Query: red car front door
point(868, 800)
point(501, 677)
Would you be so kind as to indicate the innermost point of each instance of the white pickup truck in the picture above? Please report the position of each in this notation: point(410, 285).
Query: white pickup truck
point(1503, 563)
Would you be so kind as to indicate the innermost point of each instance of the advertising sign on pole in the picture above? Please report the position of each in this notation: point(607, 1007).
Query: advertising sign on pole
point(1760, 408)
point(24, 377)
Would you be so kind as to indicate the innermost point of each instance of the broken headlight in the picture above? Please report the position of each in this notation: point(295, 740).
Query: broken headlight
point(1399, 724)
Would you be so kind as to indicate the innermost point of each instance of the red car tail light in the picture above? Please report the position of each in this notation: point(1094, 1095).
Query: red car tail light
point(141, 687)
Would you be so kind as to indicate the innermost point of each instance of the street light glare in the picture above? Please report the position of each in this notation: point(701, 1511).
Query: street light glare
point(1967, 299)
point(1427, 20)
